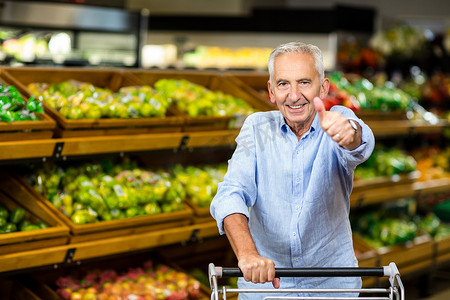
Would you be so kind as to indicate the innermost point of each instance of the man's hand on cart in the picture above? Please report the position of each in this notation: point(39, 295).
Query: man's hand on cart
point(258, 269)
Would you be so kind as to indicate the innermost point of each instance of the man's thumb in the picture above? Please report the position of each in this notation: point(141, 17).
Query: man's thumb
point(318, 104)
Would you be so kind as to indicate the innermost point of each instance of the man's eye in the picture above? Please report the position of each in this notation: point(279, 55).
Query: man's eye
point(304, 82)
point(282, 85)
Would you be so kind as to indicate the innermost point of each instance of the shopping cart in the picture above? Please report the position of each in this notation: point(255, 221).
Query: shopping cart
point(395, 291)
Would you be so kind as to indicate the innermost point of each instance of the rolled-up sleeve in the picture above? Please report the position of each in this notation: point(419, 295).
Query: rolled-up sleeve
point(238, 190)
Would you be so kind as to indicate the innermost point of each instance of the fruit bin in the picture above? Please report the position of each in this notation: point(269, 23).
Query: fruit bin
point(104, 229)
point(201, 214)
point(442, 251)
point(194, 258)
point(254, 83)
point(410, 257)
point(129, 270)
point(367, 257)
point(104, 78)
point(360, 185)
point(211, 81)
point(57, 233)
point(25, 130)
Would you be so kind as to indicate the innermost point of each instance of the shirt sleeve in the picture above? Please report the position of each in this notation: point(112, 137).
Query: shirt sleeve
point(237, 192)
point(352, 158)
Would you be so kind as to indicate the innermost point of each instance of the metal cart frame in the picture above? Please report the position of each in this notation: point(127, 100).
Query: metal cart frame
point(395, 291)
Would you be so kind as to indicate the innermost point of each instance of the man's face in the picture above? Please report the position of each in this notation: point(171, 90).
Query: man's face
point(294, 85)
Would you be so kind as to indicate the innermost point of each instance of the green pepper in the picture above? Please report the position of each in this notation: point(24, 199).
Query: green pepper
point(9, 227)
point(3, 222)
point(17, 215)
point(30, 227)
point(4, 213)
point(6, 116)
point(23, 224)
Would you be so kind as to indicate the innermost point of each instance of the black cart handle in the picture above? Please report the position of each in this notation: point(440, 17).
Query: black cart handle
point(309, 272)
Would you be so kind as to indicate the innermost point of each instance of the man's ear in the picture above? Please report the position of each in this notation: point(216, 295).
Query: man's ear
point(271, 95)
point(324, 88)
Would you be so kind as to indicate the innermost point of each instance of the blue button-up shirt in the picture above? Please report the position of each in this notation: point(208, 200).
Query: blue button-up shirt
point(295, 195)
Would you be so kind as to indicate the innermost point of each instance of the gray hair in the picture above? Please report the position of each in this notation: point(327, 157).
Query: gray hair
point(297, 47)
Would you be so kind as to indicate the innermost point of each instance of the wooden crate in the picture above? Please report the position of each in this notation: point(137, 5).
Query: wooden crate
point(210, 80)
point(43, 284)
point(105, 229)
point(254, 83)
point(56, 234)
point(25, 130)
point(199, 255)
point(104, 78)
point(410, 257)
point(377, 115)
point(201, 214)
point(442, 251)
point(367, 258)
point(382, 182)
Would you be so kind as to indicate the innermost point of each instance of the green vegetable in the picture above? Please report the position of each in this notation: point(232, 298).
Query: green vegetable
point(41, 225)
point(30, 227)
point(9, 227)
point(4, 213)
point(17, 215)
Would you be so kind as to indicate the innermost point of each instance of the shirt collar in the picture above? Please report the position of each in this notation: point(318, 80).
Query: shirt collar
point(315, 124)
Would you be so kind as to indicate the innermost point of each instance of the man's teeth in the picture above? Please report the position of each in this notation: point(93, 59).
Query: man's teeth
point(296, 106)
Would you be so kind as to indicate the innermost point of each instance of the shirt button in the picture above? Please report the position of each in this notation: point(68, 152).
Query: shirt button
point(294, 233)
point(296, 260)
point(297, 180)
point(297, 207)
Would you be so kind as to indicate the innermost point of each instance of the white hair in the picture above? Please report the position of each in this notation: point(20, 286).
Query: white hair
point(298, 47)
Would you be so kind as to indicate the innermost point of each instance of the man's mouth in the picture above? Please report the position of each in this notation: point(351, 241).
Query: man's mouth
point(297, 106)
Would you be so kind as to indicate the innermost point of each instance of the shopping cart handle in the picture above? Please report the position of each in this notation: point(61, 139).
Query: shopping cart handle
point(308, 272)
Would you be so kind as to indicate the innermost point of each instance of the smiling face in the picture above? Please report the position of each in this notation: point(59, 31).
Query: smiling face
point(295, 83)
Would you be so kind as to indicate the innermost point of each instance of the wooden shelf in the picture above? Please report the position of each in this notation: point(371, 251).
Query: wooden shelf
point(103, 247)
point(57, 148)
point(433, 186)
point(381, 194)
point(13, 150)
point(404, 127)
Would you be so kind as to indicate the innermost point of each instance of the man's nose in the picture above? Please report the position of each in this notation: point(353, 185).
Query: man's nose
point(294, 92)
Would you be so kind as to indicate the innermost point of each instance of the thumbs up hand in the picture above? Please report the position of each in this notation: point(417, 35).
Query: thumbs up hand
point(337, 126)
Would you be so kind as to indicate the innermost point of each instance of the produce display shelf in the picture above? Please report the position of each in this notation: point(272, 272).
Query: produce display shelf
point(120, 143)
point(360, 185)
point(410, 257)
point(12, 150)
point(212, 81)
point(111, 79)
point(443, 251)
point(59, 255)
point(201, 214)
point(25, 130)
point(212, 138)
point(57, 148)
point(367, 257)
point(254, 83)
point(380, 194)
point(404, 127)
point(19, 188)
point(432, 186)
point(56, 232)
